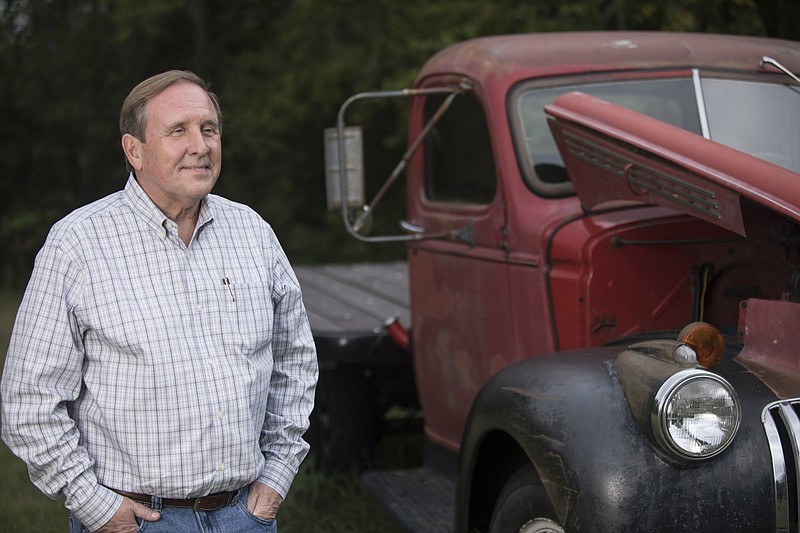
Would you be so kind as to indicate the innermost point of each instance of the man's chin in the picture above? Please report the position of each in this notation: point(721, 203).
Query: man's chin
point(201, 178)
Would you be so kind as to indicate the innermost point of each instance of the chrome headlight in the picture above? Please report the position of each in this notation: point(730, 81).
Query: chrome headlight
point(695, 414)
point(687, 412)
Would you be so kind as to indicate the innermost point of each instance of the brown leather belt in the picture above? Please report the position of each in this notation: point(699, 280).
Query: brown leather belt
point(212, 502)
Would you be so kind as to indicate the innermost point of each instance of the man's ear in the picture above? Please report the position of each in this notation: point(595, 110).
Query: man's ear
point(132, 148)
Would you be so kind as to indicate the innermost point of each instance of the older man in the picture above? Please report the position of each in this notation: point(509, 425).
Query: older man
point(161, 367)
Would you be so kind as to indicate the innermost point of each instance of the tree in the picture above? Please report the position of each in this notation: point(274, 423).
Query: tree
point(281, 69)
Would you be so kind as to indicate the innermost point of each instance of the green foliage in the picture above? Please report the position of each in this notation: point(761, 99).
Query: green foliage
point(23, 509)
point(281, 69)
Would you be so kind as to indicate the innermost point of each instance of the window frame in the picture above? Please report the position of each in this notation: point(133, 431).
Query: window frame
point(430, 104)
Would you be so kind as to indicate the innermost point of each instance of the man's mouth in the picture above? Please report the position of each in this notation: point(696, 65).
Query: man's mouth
point(195, 168)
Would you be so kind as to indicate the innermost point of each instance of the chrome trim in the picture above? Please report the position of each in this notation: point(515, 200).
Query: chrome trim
point(782, 426)
point(658, 412)
point(685, 354)
point(701, 103)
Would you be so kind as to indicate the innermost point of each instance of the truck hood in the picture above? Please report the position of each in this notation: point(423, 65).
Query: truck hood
point(615, 156)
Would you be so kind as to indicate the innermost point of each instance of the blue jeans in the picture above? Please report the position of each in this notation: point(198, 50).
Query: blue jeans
point(234, 518)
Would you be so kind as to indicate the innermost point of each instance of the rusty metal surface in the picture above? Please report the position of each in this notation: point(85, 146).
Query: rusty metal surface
point(768, 329)
point(549, 54)
point(461, 332)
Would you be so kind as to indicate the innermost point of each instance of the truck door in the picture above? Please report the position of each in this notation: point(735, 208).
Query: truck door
point(459, 287)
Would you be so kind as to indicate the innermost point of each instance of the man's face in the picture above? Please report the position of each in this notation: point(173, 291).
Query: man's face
point(180, 158)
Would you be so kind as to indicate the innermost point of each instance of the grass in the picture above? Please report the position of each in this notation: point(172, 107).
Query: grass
point(320, 500)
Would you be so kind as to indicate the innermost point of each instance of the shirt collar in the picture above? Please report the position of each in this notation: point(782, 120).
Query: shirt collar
point(149, 211)
point(206, 214)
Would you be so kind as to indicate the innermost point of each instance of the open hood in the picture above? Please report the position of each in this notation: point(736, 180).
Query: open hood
point(614, 155)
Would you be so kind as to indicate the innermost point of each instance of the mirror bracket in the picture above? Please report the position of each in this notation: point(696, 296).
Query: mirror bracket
point(344, 165)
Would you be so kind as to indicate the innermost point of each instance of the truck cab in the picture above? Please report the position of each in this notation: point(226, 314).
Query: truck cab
point(603, 281)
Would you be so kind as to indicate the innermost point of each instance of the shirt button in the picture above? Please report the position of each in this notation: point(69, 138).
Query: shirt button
point(198, 308)
point(220, 415)
point(221, 467)
point(210, 360)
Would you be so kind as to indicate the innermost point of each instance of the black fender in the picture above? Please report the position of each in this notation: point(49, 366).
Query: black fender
point(567, 415)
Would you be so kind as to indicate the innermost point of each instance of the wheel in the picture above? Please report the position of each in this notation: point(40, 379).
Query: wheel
point(524, 507)
point(342, 425)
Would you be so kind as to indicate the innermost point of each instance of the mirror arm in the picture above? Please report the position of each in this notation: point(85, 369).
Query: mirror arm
point(408, 227)
point(766, 60)
point(362, 218)
point(411, 151)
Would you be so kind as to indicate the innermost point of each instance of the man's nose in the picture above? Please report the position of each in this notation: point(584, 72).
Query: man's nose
point(198, 143)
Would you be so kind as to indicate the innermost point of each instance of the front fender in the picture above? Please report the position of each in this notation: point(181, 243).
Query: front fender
point(568, 416)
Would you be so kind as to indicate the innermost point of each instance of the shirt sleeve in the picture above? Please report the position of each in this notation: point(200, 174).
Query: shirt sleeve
point(42, 376)
point(294, 378)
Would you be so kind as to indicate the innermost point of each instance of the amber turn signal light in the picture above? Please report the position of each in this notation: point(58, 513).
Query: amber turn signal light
point(706, 341)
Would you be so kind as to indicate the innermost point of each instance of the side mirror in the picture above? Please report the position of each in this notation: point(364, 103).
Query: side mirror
point(344, 181)
point(353, 175)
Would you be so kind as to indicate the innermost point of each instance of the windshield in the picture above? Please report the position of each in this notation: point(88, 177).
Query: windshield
point(762, 119)
point(759, 118)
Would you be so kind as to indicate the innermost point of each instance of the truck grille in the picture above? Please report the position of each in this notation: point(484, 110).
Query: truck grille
point(782, 424)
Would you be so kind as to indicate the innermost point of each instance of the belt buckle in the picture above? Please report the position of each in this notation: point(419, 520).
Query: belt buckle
point(216, 501)
point(196, 506)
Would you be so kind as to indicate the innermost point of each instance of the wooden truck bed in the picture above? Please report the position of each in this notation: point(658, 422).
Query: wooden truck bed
point(349, 304)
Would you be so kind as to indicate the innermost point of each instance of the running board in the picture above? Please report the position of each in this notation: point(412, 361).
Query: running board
point(420, 500)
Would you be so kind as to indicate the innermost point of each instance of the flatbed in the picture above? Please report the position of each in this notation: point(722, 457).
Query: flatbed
point(354, 298)
point(364, 371)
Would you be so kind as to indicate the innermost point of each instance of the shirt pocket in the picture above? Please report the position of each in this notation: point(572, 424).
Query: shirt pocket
point(248, 312)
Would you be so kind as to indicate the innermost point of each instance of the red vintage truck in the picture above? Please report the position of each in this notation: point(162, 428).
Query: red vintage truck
point(603, 287)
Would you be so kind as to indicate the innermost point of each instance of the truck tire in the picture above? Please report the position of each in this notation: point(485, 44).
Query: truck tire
point(523, 506)
point(342, 425)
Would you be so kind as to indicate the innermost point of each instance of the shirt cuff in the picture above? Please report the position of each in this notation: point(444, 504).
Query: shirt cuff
point(96, 510)
point(277, 475)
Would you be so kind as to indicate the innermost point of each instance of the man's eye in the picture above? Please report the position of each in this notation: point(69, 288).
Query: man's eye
point(209, 131)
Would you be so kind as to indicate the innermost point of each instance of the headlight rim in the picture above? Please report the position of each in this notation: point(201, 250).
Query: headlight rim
point(659, 419)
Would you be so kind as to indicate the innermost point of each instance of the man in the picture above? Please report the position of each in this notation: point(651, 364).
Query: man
point(161, 367)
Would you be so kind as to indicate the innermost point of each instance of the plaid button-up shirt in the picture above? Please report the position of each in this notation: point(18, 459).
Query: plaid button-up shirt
point(144, 365)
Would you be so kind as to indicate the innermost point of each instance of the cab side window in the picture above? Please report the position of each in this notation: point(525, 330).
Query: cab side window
point(459, 161)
